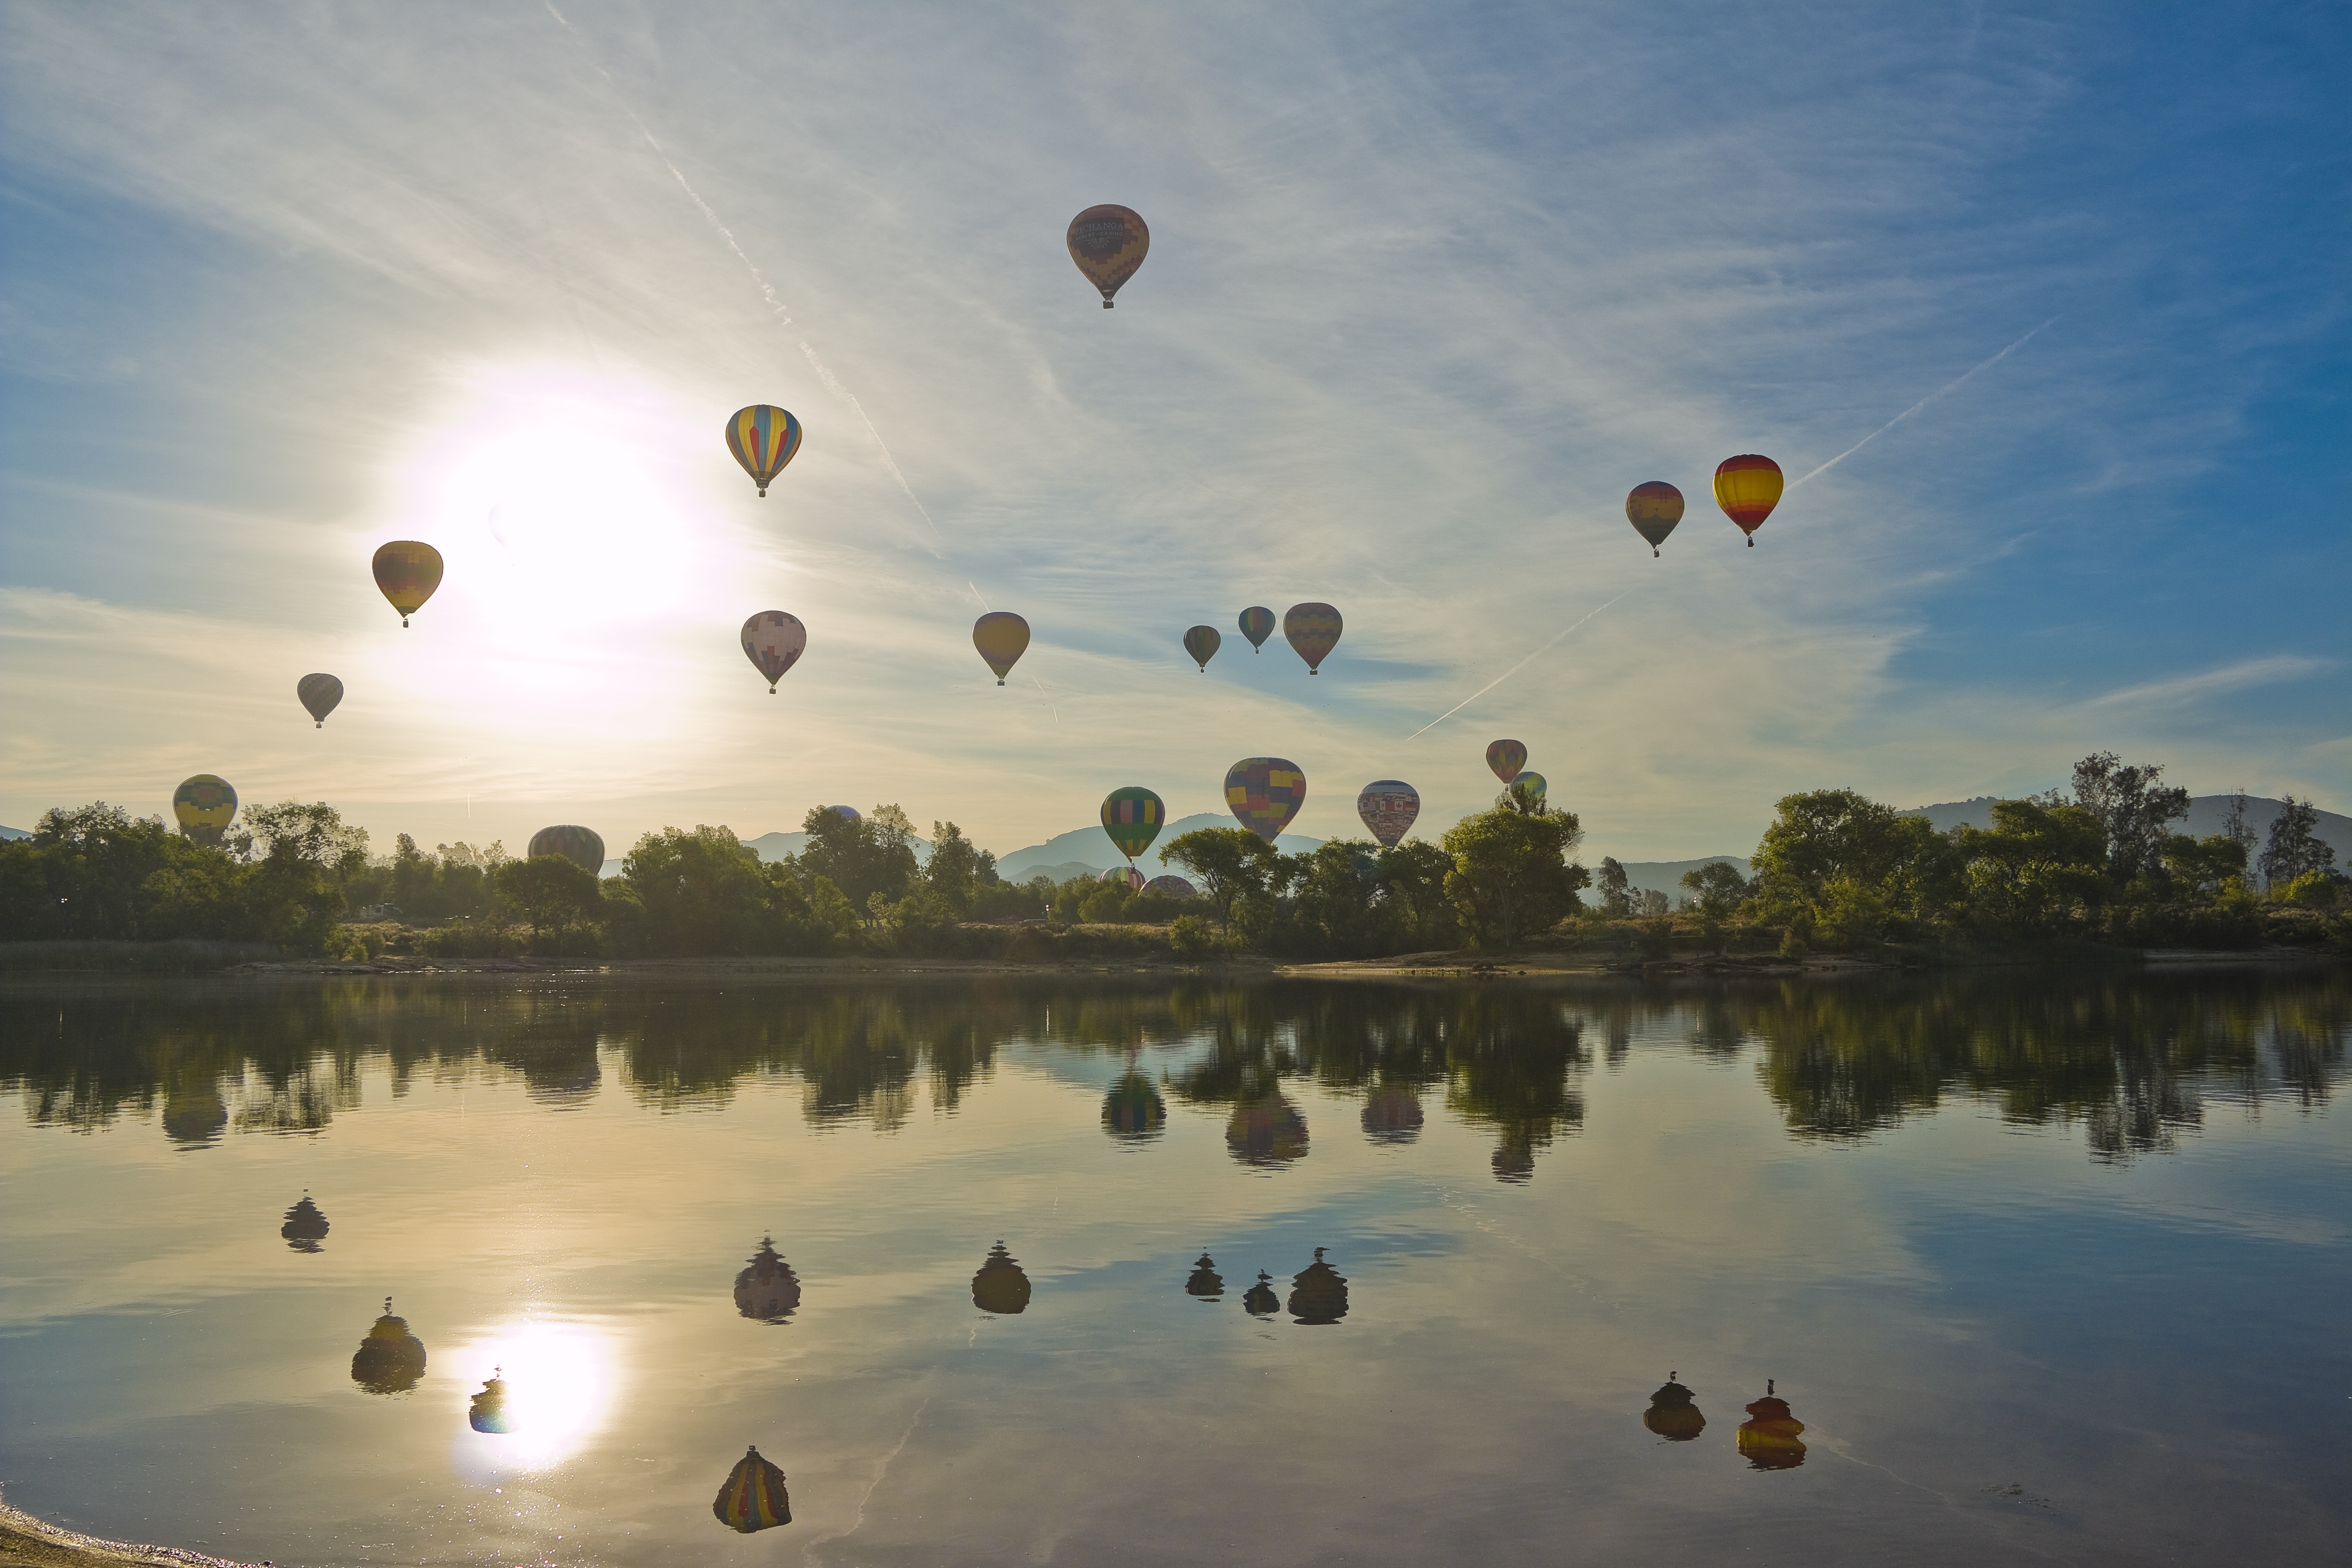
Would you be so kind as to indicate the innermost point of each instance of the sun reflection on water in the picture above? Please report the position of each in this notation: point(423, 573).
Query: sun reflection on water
point(559, 1379)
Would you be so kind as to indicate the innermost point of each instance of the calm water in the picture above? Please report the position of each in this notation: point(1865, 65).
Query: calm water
point(2049, 1270)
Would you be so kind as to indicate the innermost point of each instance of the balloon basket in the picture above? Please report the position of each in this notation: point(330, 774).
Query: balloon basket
point(1105, 304)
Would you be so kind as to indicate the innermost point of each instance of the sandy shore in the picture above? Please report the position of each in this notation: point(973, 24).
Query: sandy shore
point(27, 1542)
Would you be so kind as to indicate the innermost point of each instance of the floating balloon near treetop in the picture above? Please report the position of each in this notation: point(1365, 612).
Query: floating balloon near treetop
point(1312, 630)
point(1127, 877)
point(1257, 625)
point(1263, 794)
point(1203, 643)
point(773, 642)
point(1108, 243)
point(1172, 885)
point(319, 694)
point(407, 572)
point(1388, 807)
point(1506, 758)
point(204, 804)
point(1747, 488)
point(1001, 637)
point(1653, 508)
point(763, 438)
point(1132, 816)
point(1530, 787)
point(582, 847)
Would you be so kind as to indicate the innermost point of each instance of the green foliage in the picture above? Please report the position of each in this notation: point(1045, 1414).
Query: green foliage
point(555, 896)
point(2132, 810)
point(2312, 890)
point(869, 855)
point(705, 892)
point(1227, 862)
point(1717, 886)
point(1510, 873)
point(2039, 868)
point(2294, 849)
point(1188, 936)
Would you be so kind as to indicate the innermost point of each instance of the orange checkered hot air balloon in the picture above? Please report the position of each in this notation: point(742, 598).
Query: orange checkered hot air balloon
point(763, 438)
point(1653, 508)
point(753, 1497)
point(1747, 488)
point(407, 572)
point(1108, 243)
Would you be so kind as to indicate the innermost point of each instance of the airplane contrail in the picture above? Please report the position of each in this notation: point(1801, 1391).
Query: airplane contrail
point(1915, 408)
point(783, 313)
point(1506, 675)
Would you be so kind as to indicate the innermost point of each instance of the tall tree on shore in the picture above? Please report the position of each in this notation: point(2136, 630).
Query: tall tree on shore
point(2294, 845)
point(2134, 809)
point(1228, 862)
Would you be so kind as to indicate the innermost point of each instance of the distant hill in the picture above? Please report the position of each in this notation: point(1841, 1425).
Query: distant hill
point(2206, 814)
point(1089, 847)
point(776, 845)
point(14, 833)
point(1665, 876)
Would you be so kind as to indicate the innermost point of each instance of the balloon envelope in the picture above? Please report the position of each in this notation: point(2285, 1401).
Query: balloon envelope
point(1747, 488)
point(1530, 785)
point(1653, 508)
point(763, 438)
point(1108, 243)
point(773, 642)
point(1001, 637)
point(1133, 818)
point(1313, 630)
point(1171, 886)
point(1257, 625)
point(204, 805)
point(319, 694)
point(1263, 794)
point(578, 845)
point(1201, 643)
point(1001, 1286)
point(407, 572)
point(1127, 877)
point(1506, 758)
point(1388, 807)
point(848, 812)
point(754, 1496)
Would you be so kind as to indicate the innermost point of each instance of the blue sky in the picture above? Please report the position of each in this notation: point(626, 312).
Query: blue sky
point(1428, 292)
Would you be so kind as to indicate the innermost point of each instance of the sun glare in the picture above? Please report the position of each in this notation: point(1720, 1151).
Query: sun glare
point(559, 1382)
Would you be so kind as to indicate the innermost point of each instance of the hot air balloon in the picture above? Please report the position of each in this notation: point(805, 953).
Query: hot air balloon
point(1172, 887)
point(1653, 508)
point(489, 1412)
point(582, 847)
point(1108, 243)
point(1388, 807)
point(848, 813)
point(1001, 636)
point(1201, 643)
point(1263, 794)
point(1127, 877)
point(755, 1496)
point(1506, 758)
point(1133, 818)
point(1393, 1115)
point(319, 693)
point(1769, 1437)
point(407, 572)
point(1529, 786)
point(1313, 631)
point(773, 642)
point(1133, 1111)
point(763, 438)
point(1318, 1293)
point(1671, 1414)
point(305, 1227)
point(1257, 625)
point(1000, 1286)
point(1747, 488)
point(1205, 1283)
point(1267, 1131)
point(767, 1291)
point(1259, 1300)
point(391, 1359)
point(204, 805)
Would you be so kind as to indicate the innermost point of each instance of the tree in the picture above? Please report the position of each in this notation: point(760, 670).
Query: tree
point(703, 892)
point(1228, 862)
point(863, 856)
point(550, 892)
point(2294, 845)
point(1616, 890)
point(2204, 868)
point(1898, 866)
point(2027, 875)
point(1413, 875)
point(958, 871)
point(2133, 811)
point(1511, 872)
point(1718, 887)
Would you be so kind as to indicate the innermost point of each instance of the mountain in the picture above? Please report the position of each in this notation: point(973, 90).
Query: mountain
point(14, 833)
point(1665, 876)
point(1087, 848)
point(776, 845)
point(2206, 814)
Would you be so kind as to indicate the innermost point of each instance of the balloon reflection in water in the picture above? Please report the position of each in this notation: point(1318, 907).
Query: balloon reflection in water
point(1204, 1281)
point(1769, 1437)
point(1318, 1293)
point(489, 1413)
point(1259, 1300)
point(754, 1496)
point(768, 1290)
point(305, 1227)
point(1133, 1111)
point(1671, 1414)
point(1514, 1157)
point(1393, 1116)
point(1266, 1133)
point(550, 1386)
point(391, 1359)
point(1000, 1286)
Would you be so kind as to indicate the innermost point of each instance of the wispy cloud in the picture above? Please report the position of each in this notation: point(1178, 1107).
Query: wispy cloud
point(2237, 677)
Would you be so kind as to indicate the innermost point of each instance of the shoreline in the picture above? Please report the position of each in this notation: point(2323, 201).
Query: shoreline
point(29, 1542)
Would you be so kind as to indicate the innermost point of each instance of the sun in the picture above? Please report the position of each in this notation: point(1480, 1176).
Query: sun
point(559, 1379)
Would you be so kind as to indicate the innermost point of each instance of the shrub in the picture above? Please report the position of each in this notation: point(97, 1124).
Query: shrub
point(1188, 936)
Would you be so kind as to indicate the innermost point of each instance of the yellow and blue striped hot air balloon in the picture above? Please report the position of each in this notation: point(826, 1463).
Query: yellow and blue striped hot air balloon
point(753, 1497)
point(763, 438)
point(1263, 794)
point(204, 804)
point(1528, 788)
point(1133, 818)
point(1257, 625)
point(1313, 631)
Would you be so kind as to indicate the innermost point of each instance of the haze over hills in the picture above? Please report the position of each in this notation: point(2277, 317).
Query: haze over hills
point(2207, 813)
point(1087, 848)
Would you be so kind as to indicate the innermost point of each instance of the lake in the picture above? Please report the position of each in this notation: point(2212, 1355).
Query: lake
point(1944, 1269)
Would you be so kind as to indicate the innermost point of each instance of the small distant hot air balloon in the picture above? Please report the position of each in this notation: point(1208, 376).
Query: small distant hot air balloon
point(1529, 786)
point(1671, 1414)
point(1263, 794)
point(1127, 877)
point(1768, 1438)
point(1108, 243)
point(1259, 1300)
point(1653, 508)
point(1257, 625)
point(1313, 631)
point(1173, 887)
point(1000, 1286)
point(1388, 807)
point(204, 805)
point(1201, 643)
point(489, 1412)
point(1132, 816)
point(1318, 1293)
point(305, 1227)
point(391, 1359)
point(767, 1291)
point(580, 846)
point(319, 693)
point(754, 1496)
point(1266, 1133)
point(1205, 1283)
point(1133, 1111)
point(773, 642)
point(407, 572)
point(848, 813)
point(1506, 758)
point(1001, 637)
point(1747, 488)
point(763, 438)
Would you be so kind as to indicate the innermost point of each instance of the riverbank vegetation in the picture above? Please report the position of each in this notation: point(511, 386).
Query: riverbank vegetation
point(1835, 872)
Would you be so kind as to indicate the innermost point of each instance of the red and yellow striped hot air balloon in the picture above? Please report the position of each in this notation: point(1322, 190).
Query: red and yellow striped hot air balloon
point(763, 438)
point(1747, 488)
point(753, 1497)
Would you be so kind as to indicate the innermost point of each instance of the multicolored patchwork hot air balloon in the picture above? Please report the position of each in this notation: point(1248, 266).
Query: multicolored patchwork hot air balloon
point(1108, 243)
point(1313, 631)
point(407, 572)
point(319, 694)
point(1257, 625)
point(1001, 637)
point(754, 1496)
point(763, 438)
point(1133, 818)
point(1263, 794)
point(1653, 508)
point(1506, 758)
point(1171, 887)
point(204, 805)
point(1528, 786)
point(582, 847)
point(1203, 643)
point(1747, 488)
point(1388, 807)
point(773, 642)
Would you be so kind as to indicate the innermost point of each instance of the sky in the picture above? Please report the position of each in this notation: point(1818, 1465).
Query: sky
point(2041, 310)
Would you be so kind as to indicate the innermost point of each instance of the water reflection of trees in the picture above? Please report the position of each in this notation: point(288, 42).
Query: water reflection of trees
point(2131, 1057)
